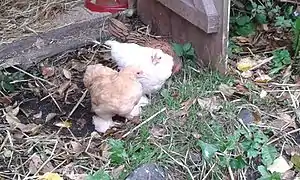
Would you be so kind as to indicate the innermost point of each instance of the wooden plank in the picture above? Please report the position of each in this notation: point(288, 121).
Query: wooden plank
point(76, 32)
point(211, 48)
point(201, 13)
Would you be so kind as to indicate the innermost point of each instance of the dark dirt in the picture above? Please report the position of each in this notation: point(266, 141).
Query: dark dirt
point(36, 104)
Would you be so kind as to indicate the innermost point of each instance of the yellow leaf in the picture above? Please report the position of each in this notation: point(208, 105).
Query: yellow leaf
point(65, 124)
point(51, 176)
point(245, 64)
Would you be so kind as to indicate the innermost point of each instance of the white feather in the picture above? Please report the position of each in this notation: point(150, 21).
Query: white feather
point(130, 54)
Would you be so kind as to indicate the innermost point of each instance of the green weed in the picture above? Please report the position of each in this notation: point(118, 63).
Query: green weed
point(6, 80)
point(186, 51)
point(281, 59)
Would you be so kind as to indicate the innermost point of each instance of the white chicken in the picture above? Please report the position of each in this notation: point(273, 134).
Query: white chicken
point(156, 65)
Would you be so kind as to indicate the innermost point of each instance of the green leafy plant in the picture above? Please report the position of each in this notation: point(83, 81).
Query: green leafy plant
point(118, 152)
point(242, 25)
point(99, 175)
point(233, 48)
point(281, 59)
point(282, 22)
point(6, 79)
point(266, 175)
point(253, 143)
point(186, 51)
point(123, 153)
point(296, 37)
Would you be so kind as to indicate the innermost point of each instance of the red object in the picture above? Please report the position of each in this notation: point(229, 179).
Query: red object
point(111, 6)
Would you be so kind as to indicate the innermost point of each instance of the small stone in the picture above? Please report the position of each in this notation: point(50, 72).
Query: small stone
point(149, 172)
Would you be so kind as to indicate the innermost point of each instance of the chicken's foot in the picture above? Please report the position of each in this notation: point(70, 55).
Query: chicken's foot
point(102, 125)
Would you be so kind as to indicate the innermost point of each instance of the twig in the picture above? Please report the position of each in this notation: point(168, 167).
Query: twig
point(53, 99)
point(209, 171)
point(77, 104)
point(3, 143)
point(291, 132)
point(179, 163)
point(262, 63)
point(230, 172)
point(144, 122)
point(291, 85)
point(50, 157)
point(34, 77)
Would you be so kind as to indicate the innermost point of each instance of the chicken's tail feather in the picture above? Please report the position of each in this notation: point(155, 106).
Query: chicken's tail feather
point(122, 32)
point(118, 29)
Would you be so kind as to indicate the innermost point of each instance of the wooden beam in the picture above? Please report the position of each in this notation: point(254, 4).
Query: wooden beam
point(76, 33)
point(201, 13)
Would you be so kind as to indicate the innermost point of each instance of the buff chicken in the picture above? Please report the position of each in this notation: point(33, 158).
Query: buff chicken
point(113, 93)
point(122, 32)
point(155, 64)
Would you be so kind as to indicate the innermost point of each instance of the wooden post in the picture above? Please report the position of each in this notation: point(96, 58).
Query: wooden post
point(204, 23)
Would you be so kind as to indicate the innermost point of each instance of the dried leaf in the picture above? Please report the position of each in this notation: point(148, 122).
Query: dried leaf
point(5, 100)
point(73, 176)
point(242, 39)
point(50, 116)
point(48, 71)
point(36, 162)
point(283, 120)
point(63, 87)
point(263, 79)
point(291, 151)
point(279, 165)
point(157, 131)
point(116, 172)
point(288, 119)
point(104, 148)
point(64, 124)
point(226, 90)
point(51, 176)
point(29, 128)
point(14, 122)
point(78, 66)
point(187, 104)
point(38, 115)
point(247, 74)
point(241, 88)
point(265, 27)
point(77, 147)
point(245, 64)
point(288, 175)
point(211, 104)
point(67, 74)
